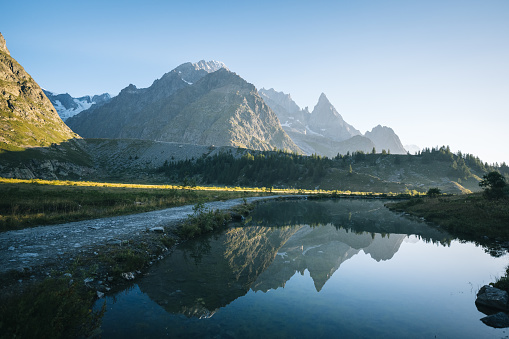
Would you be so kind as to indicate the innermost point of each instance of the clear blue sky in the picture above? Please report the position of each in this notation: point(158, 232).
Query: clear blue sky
point(437, 72)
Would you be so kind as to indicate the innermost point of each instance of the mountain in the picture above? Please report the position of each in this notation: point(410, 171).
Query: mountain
point(384, 138)
point(197, 103)
point(324, 131)
point(27, 117)
point(326, 121)
point(68, 106)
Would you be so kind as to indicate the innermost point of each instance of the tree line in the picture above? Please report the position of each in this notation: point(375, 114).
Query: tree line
point(272, 168)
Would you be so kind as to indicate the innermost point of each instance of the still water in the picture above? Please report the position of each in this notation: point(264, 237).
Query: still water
point(308, 269)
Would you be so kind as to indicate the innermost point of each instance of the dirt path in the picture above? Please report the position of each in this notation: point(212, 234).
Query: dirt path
point(49, 245)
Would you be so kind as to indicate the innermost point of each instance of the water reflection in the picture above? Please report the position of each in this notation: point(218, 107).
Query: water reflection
point(204, 275)
point(348, 268)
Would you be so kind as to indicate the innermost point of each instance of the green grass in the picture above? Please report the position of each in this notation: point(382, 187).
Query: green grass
point(470, 216)
point(24, 204)
point(53, 308)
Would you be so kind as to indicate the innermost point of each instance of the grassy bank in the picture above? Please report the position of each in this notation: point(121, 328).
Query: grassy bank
point(470, 216)
point(27, 203)
point(30, 203)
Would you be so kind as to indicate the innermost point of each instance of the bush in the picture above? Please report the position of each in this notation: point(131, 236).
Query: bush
point(203, 221)
point(434, 192)
point(494, 185)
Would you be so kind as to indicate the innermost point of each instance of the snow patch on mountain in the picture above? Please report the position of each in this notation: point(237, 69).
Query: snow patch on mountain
point(67, 106)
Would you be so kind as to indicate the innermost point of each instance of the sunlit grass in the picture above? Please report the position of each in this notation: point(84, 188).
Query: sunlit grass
point(28, 203)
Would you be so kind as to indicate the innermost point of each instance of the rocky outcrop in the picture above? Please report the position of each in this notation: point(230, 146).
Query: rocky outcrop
point(492, 298)
point(3, 45)
point(27, 117)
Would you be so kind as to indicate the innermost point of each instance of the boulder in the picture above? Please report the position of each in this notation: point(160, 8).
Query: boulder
point(493, 298)
point(498, 320)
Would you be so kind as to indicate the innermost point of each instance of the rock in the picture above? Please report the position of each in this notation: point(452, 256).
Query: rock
point(157, 229)
point(128, 275)
point(100, 294)
point(492, 297)
point(498, 320)
point(69, 275)
point(88, 280)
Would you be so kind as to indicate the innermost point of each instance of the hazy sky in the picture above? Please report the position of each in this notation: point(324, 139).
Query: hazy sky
point(437, 72)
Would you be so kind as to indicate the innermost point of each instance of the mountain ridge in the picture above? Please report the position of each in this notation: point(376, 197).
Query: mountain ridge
point(202, 103)
point(324, 131)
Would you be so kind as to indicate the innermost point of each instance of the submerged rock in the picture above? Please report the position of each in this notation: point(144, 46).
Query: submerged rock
point(492, 297)
point(498, 320)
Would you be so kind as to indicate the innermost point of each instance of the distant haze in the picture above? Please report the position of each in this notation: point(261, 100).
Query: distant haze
point(435, 71)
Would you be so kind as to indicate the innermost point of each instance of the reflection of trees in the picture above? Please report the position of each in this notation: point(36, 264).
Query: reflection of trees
point(354, 215)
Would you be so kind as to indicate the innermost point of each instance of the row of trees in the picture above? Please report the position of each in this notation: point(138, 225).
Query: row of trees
point(255, 168)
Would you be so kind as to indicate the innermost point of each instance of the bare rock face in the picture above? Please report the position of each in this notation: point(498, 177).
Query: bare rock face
point(27, 117)
point(3, 45)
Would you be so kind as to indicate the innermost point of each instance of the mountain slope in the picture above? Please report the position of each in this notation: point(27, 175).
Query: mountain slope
point(27, 117)
point(201, 103)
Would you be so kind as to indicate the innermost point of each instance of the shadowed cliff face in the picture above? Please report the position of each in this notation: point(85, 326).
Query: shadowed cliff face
point(27, 117)
point(203, 275)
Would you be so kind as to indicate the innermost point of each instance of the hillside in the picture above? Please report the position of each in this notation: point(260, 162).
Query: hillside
point(27, 117)
point(201, 104)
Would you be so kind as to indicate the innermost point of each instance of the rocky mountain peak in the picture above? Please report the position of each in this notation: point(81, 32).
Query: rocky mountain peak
point(209, 66)
point(3, 45)
point(323, 99)
point(385, 138)
point(282, 99)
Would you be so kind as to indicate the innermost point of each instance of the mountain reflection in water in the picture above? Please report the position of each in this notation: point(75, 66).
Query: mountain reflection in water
point(204, 275)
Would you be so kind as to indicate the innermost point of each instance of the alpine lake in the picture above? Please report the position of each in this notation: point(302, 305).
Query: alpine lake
point(345, 268)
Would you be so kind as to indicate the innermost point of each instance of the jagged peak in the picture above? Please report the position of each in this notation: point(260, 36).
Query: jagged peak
point(209, 66)
point(129, 89)
point(3, 45)
point(323, 98)
point(380, 128)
